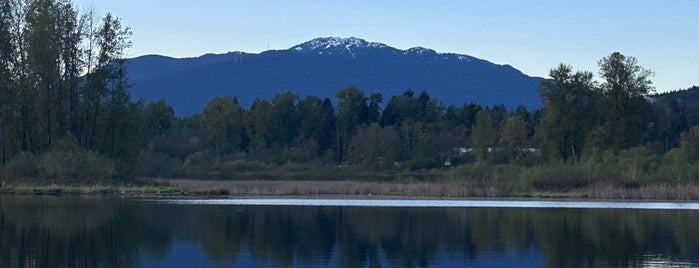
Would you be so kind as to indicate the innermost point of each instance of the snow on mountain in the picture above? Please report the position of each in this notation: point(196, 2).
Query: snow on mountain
point(334, 42)
point(352, 45)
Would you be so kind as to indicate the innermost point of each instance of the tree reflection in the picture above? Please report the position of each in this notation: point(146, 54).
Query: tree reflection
point(50, 232)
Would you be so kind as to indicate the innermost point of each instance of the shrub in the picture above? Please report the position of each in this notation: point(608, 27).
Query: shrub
point(555, 176)
point(22, 165)
point(242, 166)
point(638, 163)
point(151, 164)
point(78, 165)
point(197, 165)
point(72, 164)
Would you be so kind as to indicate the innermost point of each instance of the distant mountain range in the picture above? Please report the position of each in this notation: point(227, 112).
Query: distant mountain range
point(322, 67)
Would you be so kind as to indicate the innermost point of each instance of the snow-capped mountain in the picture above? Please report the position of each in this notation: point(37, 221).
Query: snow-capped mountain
point(335, 42)
point(322, 67)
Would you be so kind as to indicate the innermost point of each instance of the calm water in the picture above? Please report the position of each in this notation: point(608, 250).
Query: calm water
point(99, 232)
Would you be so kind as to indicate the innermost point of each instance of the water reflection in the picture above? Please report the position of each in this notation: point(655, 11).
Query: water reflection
point(51, 232)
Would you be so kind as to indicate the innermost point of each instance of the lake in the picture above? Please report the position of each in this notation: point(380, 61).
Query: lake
point(128, 232)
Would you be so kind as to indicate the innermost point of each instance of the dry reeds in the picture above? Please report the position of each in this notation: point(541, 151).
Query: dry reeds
point(427, 189)
point(302, 188)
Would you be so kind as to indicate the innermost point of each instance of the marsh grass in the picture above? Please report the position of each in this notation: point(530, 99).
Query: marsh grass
point(137, 187)
point(355, 188)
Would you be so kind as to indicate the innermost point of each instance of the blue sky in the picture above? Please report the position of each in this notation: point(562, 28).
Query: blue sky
point(533, 36)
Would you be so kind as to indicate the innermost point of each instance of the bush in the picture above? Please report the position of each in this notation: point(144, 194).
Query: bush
point(78, 165)
point(479, 171)
point(601, 165)
point(23, 165)
point(242, 166)
point(638, 163)
point(74, 165)
point(197, 165)
point(151, 164)
point(555, 176)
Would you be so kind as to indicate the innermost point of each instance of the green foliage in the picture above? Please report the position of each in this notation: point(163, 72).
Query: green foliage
point(352, 112)
point(158, 117)
point(674, 166)
point(689, 145)
point(375, 147)
point(569, 112)
point(197, 165)
point(317, 122)
point(80, 165)
point(243, 166)
point(157, 165)
point(625, 86)
point(222, 119)
point(514, 138)
point(638, 163)
point(601, 165)
point(482, 135)
point(556, 176)
point(23, 165)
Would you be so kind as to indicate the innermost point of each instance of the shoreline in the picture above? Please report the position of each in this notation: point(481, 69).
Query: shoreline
point(312, 189)
point(432, 190)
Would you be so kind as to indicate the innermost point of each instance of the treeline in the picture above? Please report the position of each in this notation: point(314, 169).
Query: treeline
point(65, 112)
point(63, 85)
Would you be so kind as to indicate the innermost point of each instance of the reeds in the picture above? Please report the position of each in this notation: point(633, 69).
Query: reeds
point(353, 188)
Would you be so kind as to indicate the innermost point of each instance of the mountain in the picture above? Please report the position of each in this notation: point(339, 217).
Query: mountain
point(322, 67)
point(684, 102)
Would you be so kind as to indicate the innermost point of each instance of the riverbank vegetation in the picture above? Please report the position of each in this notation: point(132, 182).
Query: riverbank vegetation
point(66, 117)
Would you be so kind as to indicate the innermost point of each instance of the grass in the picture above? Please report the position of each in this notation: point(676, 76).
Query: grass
point(475, 180)
point(356, 188)
point(402, 188)
point(98, 189)
point(470, 189)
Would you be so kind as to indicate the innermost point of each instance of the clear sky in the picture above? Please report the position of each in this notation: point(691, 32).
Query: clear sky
point(533, 36)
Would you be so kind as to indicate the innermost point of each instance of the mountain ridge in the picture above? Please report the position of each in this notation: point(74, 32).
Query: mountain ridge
point(323, 66)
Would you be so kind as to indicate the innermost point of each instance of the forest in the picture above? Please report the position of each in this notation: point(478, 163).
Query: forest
point(66, 115)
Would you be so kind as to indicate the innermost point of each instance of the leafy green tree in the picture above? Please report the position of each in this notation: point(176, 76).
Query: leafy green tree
point(222, 120)
point(328, 126)
point(316, 122)
point(569, 112)
point(669, 119)
point(258, 125)
point(158, 117)
point(498, 115)
point(352, 112)
point(374, 146)
point(120, 113)
point(284, 119)
point(462, 116)
point(690, 145)
point(625, 86)
point(401, 108)
point(482, 135)
point(6, 59)
point(375, 101)
point(514, 137)
point(186, 136)
point(43, 56)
